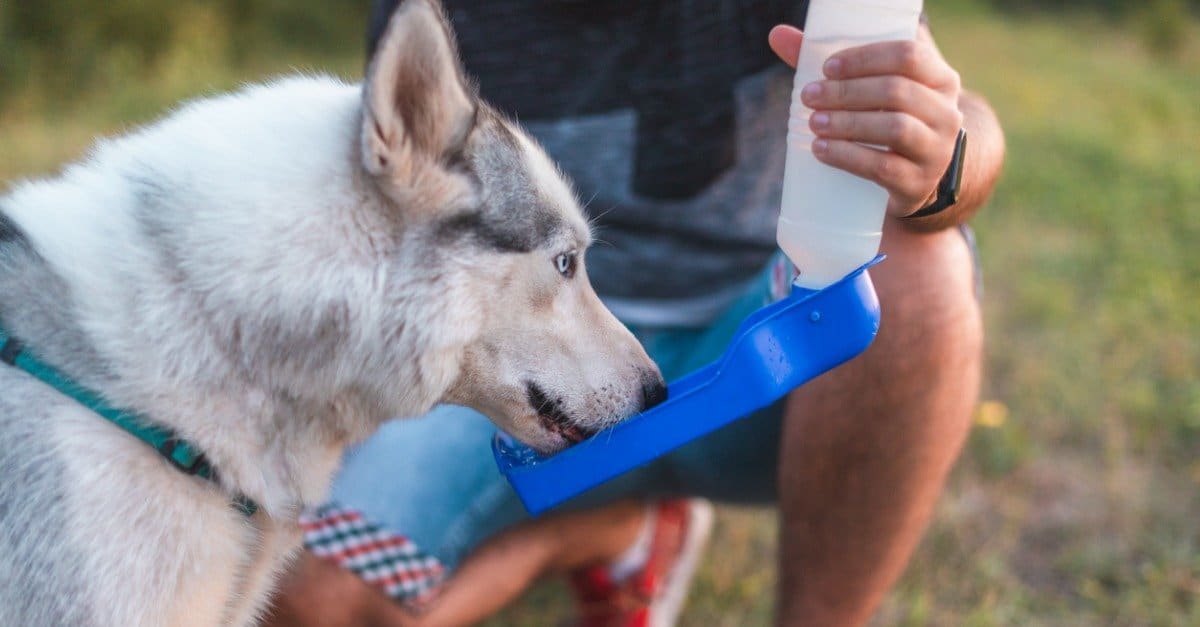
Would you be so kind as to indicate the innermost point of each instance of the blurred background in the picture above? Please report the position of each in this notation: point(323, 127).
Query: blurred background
point(1077, 501)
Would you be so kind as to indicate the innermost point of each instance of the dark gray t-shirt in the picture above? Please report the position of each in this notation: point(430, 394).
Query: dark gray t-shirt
point(670, 116)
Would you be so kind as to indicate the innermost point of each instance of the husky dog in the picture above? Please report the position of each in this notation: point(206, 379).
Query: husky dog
point(271, 275)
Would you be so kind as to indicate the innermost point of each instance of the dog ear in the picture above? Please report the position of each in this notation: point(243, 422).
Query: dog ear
point(416, 105)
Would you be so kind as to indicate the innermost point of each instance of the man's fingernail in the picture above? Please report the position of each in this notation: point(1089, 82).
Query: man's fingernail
point(833, 65)
point(820, 146)
point(811, 91)
point(820, 120)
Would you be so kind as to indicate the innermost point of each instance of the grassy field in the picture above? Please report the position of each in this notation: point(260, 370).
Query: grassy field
point(1078, 499)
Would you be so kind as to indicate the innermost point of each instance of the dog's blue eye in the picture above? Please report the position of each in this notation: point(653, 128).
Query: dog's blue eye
point(566, 264)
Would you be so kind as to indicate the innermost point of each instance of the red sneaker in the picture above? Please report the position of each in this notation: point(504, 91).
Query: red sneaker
point(654, 595)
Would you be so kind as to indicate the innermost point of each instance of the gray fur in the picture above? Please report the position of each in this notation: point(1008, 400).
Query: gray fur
point(36, 307)
point(9, 233)
point(32, 517)
point(520, 221)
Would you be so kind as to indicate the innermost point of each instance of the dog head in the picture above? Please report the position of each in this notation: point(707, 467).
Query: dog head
point(497, 223)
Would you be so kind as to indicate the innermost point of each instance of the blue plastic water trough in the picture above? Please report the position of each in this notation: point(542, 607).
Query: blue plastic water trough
point(775, 350)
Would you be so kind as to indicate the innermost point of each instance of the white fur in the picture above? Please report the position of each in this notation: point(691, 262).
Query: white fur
point(291, 196)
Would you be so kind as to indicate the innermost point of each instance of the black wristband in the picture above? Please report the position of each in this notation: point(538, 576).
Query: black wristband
point(949, 186)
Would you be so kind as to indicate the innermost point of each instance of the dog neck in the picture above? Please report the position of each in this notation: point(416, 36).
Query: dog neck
point(253, 296)
point(276, 447)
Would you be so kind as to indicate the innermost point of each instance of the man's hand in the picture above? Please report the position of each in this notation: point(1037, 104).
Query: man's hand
point(899, 95)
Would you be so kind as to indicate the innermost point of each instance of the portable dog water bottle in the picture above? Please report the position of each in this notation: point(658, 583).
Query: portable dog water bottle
point(830, 223)
point(775, 350)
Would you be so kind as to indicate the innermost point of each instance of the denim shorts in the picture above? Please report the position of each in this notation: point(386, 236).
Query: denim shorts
point(433, 480)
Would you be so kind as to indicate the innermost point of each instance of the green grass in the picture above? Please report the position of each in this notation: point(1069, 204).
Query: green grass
point(1078, 498)
point(1081, 506)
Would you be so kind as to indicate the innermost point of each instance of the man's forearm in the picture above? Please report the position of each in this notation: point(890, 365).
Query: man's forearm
point(981, 165)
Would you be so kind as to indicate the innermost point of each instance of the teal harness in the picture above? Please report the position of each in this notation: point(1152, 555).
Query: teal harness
point(180, 453)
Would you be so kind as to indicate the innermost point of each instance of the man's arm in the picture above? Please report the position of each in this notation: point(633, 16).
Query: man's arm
point(860, 473)
point(906, 97)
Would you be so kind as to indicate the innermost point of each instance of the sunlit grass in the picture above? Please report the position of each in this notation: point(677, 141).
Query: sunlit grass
point(1080, 507)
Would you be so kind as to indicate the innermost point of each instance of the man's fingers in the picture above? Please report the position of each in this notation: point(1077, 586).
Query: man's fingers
point(887, 112)
point(881, 93)
point(862, 94)
point(918, 60)
point(785, 41)
point(900, 132)
point(900, 176)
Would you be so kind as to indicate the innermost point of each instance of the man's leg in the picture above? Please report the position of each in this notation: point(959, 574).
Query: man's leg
point(320, 593)
point(867, 447)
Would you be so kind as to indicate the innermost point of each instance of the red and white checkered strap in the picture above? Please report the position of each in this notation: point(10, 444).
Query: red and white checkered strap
point(384, 559)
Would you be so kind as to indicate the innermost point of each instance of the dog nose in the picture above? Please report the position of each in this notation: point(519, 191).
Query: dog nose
point(653, 393)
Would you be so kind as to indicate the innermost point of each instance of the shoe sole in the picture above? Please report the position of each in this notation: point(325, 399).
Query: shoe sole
point(666, 609)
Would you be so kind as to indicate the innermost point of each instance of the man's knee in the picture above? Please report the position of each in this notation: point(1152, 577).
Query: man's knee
point(928, 353)
point(930, 309)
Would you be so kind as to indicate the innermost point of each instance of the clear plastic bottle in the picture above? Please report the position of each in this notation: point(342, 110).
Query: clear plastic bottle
point(830, 221)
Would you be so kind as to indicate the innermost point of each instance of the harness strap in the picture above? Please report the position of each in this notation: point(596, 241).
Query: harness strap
point(180, 453)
